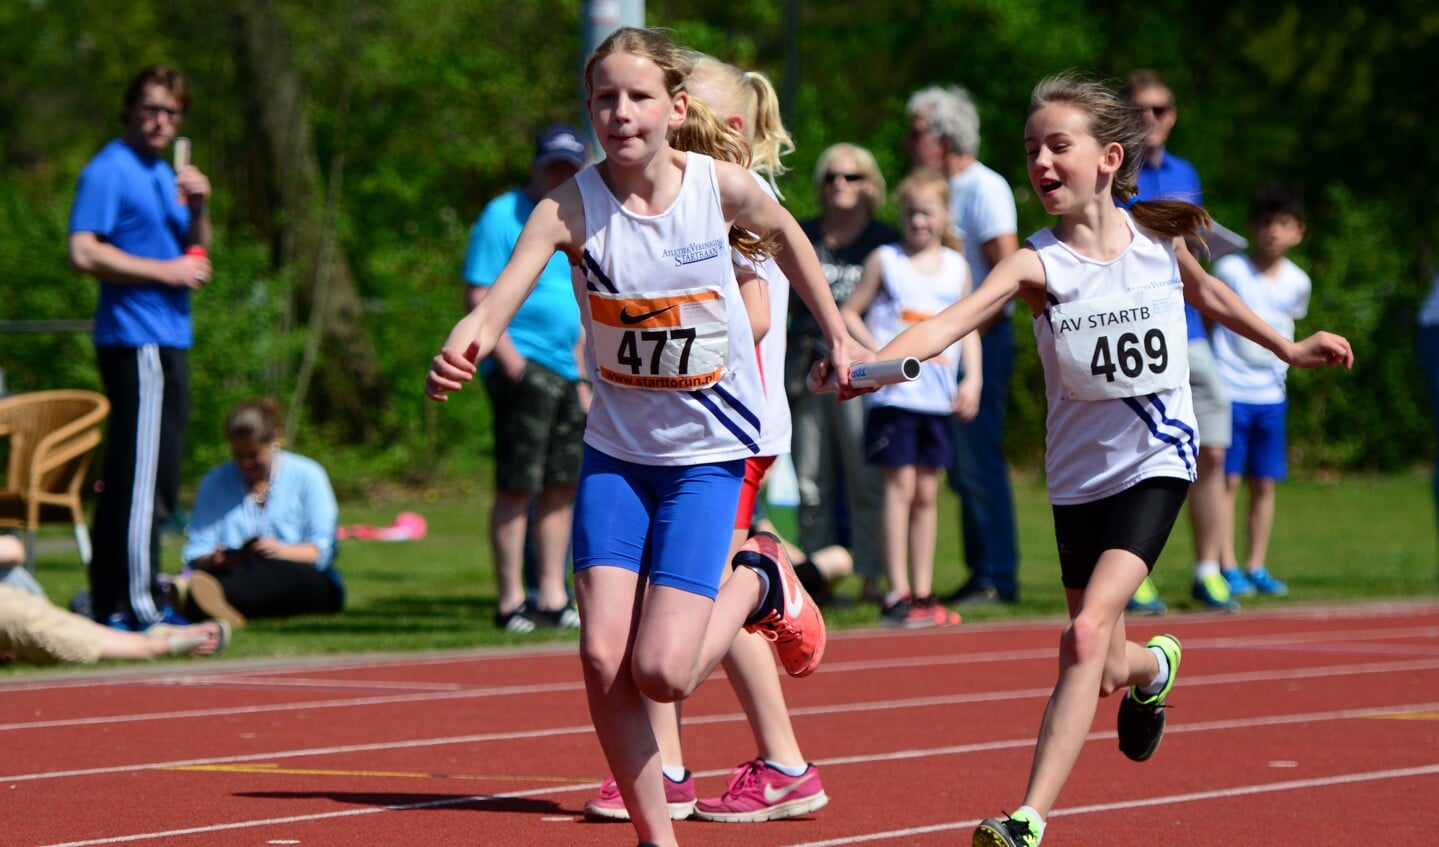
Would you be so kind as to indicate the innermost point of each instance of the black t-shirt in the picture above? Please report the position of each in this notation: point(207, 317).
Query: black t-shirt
point(843, 267)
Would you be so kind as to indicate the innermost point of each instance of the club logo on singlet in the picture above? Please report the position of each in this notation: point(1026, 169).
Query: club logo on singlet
point(697, 252)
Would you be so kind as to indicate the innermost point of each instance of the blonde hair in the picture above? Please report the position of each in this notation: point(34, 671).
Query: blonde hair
point(1113, 120)
point(930, 179)
point(874, 196)
point(702, 130)
point(751, 96)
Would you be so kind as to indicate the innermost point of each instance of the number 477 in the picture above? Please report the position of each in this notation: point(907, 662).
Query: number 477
point(629, 352)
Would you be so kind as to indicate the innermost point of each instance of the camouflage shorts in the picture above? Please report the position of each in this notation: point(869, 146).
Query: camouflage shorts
point(539, 429)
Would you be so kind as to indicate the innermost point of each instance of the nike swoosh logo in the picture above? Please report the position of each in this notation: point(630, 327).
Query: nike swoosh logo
point(773, 795)
point(627, 318)
point(793, 596)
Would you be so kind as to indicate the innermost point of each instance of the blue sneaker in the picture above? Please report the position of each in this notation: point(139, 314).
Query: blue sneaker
point(1212, 591)
point(169, 616)
point(1146, 600)
point(1266, 584)
point(120, 621)
point(1239, 584)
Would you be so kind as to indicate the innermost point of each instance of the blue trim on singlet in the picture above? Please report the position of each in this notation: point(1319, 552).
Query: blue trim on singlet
point(727, 422)
point(597, 274)
point(1164, 419)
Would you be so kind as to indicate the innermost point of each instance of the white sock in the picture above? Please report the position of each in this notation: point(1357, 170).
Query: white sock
point(1208, 567)
point(788, 770)
point(1161, 678)
point(1034, 816)
point(674, 773)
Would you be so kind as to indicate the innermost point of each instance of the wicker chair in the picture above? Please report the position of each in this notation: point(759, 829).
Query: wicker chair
point(51, 436)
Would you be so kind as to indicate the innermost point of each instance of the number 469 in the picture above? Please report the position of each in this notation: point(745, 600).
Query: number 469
point(1131, 360)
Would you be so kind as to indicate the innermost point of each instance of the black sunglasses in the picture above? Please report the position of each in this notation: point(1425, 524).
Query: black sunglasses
point(832, 177)
point(1159, 111)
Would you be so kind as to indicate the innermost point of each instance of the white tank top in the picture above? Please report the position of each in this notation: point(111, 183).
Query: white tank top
point(667, 341)
point(1097, 448)
point(908, 296)
point(774, 441)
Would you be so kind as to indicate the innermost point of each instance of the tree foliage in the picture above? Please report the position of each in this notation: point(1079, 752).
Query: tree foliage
point(418, 112)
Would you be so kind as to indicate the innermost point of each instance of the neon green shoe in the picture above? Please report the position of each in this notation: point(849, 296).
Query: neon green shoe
point(1020, 829)
point(1146, 600)
point(1141, 716)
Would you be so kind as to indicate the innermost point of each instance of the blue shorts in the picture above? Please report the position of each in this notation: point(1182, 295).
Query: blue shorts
point(1259, 445)
point(897, 438)
point(670, 524)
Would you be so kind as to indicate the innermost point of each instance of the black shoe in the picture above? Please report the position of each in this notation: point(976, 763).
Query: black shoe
point(1140, 728)
point(565, 617)
point(970, 594)
point(521, 620)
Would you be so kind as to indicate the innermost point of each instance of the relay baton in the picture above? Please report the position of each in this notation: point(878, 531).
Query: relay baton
point(182, 153)
point(871, 375)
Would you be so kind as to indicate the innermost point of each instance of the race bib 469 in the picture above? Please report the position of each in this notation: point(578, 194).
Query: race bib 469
point(1125, 345)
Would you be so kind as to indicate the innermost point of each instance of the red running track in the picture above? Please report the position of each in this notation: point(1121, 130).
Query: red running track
point(1300, 726)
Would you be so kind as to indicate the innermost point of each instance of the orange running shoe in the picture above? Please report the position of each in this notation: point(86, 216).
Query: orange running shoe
point(788, 616)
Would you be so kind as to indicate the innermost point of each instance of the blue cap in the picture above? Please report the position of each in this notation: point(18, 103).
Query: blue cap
point(560, 143)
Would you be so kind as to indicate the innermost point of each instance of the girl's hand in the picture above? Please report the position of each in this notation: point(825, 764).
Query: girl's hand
point(1322, 349)
point(449, 371)
point(966, 402)
point(844, 351)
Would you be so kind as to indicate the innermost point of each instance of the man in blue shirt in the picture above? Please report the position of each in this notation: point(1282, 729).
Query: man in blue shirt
point(537, 397)
point(141, 229)
point(1163, 175)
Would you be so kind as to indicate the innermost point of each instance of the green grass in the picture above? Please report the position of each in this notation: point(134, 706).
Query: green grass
point(1358, 538)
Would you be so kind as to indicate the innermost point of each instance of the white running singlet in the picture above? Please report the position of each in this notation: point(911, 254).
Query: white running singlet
point(1097, 448)
point(667, 338)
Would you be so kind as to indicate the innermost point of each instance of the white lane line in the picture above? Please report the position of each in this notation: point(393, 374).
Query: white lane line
point(1147, 802)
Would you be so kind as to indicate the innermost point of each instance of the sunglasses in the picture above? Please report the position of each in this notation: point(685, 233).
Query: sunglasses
point(154, 110)
point(832, 177)
point(1158, 111)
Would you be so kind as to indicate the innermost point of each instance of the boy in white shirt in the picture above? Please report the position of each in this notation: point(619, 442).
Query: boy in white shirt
point(1278, 291)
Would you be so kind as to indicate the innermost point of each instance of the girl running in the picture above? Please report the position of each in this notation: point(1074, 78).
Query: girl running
point(675, 409)
point(1107, 284)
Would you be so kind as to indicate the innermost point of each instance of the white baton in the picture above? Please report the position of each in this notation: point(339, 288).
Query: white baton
point(871, 375)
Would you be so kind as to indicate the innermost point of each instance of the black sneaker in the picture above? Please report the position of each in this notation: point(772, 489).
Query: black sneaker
point(521, 620)
point(565, 617)
point(1141, 718)
point(1007, 832)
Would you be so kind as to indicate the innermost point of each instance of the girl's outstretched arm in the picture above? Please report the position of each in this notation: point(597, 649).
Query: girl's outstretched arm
point(1218, 301)
point(748, 206)
point(1020, 274)
point(548, 229)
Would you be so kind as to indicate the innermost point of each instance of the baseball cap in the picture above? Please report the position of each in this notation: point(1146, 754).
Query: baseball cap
point(560, 143)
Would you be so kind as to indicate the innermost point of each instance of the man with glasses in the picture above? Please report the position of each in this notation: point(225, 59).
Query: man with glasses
point(132, 227)
point(1163, 175)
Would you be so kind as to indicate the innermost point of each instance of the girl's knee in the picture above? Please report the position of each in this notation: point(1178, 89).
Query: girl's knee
point(1083, 641)
point(663, 682)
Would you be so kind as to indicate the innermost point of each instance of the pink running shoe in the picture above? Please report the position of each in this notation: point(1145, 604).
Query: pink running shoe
point(609, 805)
point(795, 624)
point(758, 792)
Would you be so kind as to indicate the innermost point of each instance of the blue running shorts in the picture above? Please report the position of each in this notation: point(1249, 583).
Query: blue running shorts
point(669, 523)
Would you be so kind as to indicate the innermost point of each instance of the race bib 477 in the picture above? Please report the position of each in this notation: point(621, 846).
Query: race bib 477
point(668, 341)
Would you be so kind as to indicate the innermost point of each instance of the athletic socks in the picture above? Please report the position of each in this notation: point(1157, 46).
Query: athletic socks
point(788, 770)
point(674, 773)
point(1161, 678)
point(1206, 568)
